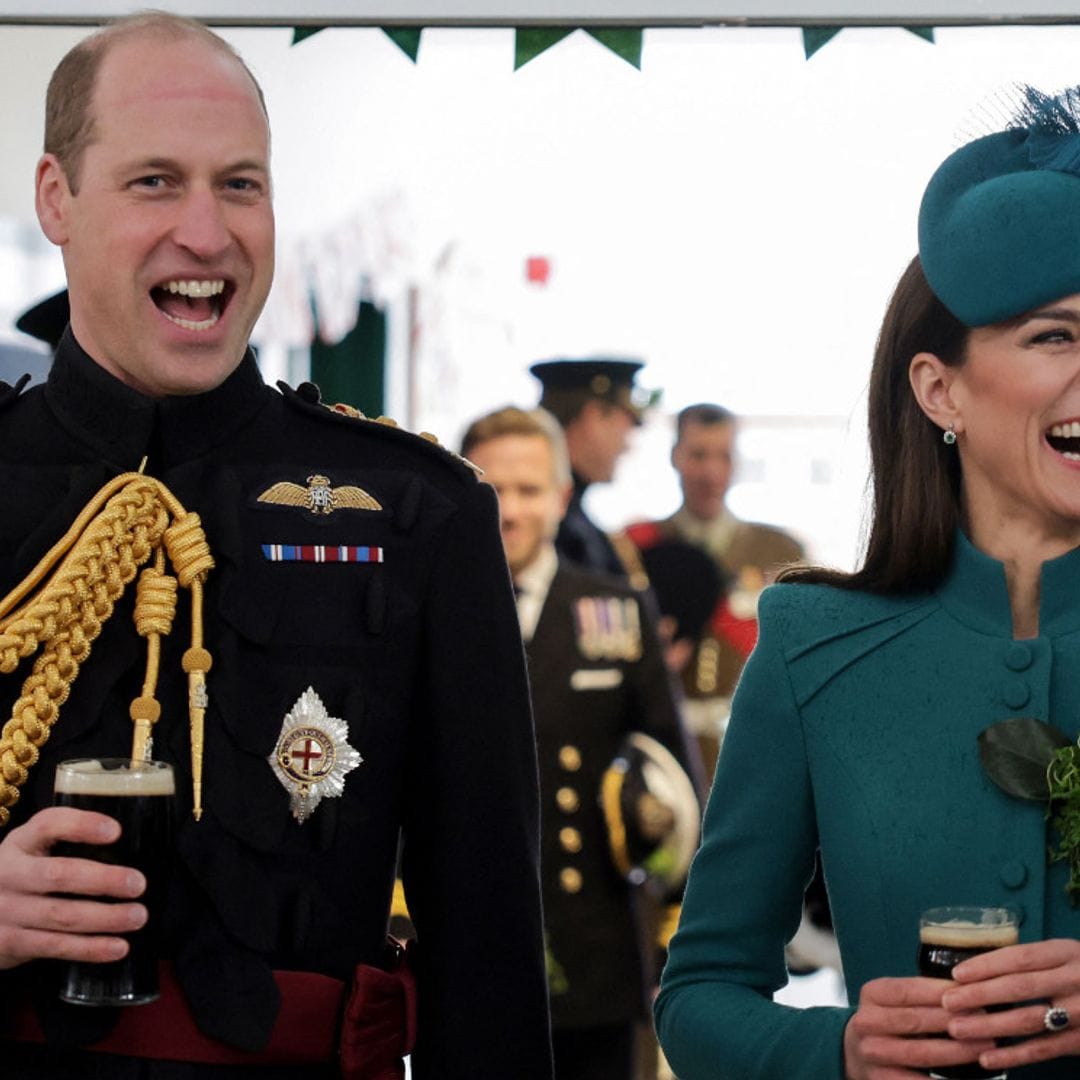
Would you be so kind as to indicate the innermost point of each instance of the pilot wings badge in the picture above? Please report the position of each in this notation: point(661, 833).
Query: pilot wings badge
point(313, 755)
point(319, 497)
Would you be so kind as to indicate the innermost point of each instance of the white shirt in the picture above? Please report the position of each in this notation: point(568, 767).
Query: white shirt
point(531, 585)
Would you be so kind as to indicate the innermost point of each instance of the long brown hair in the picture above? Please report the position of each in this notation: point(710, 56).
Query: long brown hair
point(915, 475)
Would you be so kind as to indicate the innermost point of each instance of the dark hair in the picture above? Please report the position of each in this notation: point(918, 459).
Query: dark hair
point(915, 475)
point(69, 120)
point(706, 414)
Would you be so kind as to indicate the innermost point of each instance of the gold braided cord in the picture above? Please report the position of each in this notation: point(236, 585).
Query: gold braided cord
point(118, 531)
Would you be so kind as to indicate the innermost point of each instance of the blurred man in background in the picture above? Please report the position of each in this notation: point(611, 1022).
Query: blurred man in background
point(602, 701)
point(598, 405)
point(748, 556)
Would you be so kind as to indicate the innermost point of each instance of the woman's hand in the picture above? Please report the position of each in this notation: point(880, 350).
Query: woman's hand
point(896, 1032)
point(1044, 973)
point(35, 923)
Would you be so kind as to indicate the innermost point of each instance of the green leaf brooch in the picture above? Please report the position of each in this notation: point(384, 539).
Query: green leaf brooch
point(1030, 759)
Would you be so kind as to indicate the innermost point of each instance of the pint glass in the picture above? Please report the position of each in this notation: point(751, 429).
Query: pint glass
point(139, 795)
point(948, 935)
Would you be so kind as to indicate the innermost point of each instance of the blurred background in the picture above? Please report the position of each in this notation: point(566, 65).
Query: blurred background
point(734, 213)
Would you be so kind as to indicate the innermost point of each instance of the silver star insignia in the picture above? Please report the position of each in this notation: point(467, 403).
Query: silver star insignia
point(313, 755)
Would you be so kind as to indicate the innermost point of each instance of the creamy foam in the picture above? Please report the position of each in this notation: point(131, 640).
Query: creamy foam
point(90, 777)
point(961, 934)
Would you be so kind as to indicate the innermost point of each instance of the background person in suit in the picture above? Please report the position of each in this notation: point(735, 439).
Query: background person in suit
point(597, 675)
point(859, 721)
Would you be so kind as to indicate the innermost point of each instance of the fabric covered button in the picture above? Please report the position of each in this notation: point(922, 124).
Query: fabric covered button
point(1013, 874)
point(1017, 694)
point(1018, 657)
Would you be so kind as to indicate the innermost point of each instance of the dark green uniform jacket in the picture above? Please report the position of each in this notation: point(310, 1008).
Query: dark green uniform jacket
point(855, 727)
point(418, 653)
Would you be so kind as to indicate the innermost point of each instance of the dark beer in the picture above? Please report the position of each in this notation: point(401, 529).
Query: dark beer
point(949, 935)
point(139, 795)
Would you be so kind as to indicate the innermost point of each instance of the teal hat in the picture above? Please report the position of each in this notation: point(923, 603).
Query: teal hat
point(999, 225)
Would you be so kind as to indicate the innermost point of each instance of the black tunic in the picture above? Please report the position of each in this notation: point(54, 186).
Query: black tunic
point(419, 654)
point(586, 702)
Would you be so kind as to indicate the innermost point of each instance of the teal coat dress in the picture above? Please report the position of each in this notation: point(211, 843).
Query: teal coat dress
point(854, 727)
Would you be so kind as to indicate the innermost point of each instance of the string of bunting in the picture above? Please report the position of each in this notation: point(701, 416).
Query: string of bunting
point(625, 42)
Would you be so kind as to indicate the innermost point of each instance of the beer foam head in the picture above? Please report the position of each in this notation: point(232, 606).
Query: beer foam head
point(114, 778)
point(964, 934)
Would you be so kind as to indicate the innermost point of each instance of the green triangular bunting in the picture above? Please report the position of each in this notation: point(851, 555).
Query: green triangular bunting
point(406, 38)
point(530, 42)
point(622, 41)
point(814, 37)
point(301, 32)
point(925, 32)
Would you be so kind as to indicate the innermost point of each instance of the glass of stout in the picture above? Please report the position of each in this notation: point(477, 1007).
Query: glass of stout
point(139, 795)
point(948, 935)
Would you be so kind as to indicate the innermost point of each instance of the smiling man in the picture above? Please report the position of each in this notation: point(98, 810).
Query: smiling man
point(341, 707)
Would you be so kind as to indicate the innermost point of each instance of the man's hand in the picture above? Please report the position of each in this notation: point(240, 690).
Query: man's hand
point(35, 922)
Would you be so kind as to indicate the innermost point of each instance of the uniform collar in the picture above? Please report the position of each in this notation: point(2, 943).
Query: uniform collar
point(122, 426)
point(975, 592)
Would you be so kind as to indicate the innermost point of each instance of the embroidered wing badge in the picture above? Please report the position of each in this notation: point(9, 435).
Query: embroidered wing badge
point(319, 497)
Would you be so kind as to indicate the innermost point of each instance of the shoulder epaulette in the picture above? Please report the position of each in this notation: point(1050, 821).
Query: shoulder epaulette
point(9, 393)
point(308, 398)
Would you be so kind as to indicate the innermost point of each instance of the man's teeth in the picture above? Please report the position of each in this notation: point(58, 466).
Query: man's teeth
point(195, 288)
point(188, 324)
point(1066, 431)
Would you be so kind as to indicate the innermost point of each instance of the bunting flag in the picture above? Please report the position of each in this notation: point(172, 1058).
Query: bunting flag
point(530, 42)
point(406, 38)
point(814, 37)
point(625, 42)
point(301, 32)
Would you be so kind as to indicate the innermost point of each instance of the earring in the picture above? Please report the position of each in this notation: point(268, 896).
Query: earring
point(949, 437)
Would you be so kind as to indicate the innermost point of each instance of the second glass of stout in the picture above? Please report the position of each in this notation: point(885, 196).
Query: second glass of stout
point(948, 935)
point(139, 795)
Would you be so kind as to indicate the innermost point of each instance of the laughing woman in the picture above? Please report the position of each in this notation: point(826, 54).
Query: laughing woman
point(856, 727)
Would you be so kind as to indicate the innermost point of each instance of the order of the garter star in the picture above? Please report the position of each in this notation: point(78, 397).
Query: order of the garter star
point(313, 755)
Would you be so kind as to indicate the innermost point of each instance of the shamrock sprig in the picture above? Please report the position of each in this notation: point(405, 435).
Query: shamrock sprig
point(1030, 759)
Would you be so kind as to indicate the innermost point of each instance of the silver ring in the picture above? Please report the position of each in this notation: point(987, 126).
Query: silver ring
point(1056, 1018)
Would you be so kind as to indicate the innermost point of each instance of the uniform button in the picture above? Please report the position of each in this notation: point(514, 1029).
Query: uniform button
point(570, 879)
point(568, 799)
point(570, 758)
point(1018, 658)
point(1017, 694)
point(1014, 874)
point(570, 840)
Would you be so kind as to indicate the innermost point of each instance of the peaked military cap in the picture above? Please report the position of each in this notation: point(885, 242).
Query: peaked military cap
point(606, 378)
point(999, 224)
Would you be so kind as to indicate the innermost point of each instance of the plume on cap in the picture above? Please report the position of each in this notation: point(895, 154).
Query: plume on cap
point(999, 224)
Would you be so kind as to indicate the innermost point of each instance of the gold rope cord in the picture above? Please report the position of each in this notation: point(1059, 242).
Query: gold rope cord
point(131, 519)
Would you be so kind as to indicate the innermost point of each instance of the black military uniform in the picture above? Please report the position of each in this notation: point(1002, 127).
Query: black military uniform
point(581, 541)
point(400, 618)
point(597, 674)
